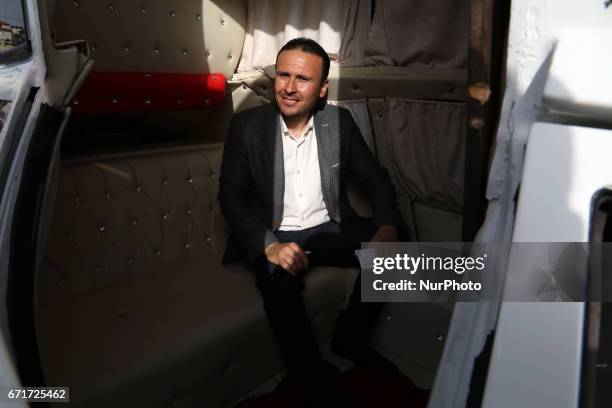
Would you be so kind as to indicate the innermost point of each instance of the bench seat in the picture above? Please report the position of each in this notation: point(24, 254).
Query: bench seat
point(169, 326)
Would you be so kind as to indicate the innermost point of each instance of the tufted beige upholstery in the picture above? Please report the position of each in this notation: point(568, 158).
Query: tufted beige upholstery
point(135, 308)
point(156, 35)
point(125, 218)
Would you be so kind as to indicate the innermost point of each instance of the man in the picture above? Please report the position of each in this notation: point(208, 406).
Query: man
point(282, 190)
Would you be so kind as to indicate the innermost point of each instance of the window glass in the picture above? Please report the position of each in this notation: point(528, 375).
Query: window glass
point(13, 35)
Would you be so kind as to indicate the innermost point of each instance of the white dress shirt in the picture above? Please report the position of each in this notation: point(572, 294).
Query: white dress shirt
point(303, 200)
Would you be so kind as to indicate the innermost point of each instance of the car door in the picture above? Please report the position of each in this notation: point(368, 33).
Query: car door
point(32, 116)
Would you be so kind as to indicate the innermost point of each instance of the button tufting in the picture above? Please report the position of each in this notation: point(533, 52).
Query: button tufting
point(164, 216)
point(165, 182)
point(213, 175)
point(187, 246)
point(244, 86)
point(143, 10)
point(70, 237)
point(155, 50)
point(208, 240)
point(77, 199)
point(380, 114)
point(222, 21)
point(172, 13)
point(179, 101)
point(184, 52)
point(98, 269)
point(134, 222)
point(76, 4)
point(111, 6)
point(189, 211)
point(108, 194)
point(115, 100)
point(101, 228)
point(76, 102)
point(208, 55)
point(130, 261)
point(94, 47)
point(214, 77)
point(207, 100)
point(126, 49)
point(229, 57)
point(138, 189)
point(158, 252)
point(190, 180)
point(148, 101)
point(198, 17)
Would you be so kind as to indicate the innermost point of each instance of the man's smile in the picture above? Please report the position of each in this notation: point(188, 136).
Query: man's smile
point(289, 101)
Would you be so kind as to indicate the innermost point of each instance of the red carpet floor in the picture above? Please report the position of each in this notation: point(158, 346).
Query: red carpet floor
point(366, 390)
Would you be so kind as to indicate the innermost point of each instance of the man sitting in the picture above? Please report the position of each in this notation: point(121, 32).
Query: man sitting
point(282, 190)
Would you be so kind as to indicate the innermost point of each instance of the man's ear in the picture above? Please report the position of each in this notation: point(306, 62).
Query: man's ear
point(323, 90)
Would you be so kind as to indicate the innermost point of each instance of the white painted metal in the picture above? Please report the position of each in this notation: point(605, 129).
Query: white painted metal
point(579, 81)
point(16, 81)
point(538, 345)
point(536, 26)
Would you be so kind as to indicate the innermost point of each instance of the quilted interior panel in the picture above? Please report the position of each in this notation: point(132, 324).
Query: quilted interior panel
point(122, 219)
point(197, 36)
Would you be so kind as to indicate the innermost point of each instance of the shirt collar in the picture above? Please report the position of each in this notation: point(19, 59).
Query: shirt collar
point(305, 132)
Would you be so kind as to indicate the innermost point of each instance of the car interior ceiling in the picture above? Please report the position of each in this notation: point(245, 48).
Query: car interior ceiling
point(131, 292)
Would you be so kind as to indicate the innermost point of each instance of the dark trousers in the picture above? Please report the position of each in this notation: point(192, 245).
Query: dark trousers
point(329, 244)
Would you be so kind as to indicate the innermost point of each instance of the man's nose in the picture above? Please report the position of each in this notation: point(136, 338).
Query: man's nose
point(290, 86)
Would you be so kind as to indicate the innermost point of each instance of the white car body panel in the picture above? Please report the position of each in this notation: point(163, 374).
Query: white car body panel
point(538, 345)
point(537, 28)
point(16, 81)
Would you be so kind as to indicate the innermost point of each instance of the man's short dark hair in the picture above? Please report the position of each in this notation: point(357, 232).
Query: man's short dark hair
point(311, 47)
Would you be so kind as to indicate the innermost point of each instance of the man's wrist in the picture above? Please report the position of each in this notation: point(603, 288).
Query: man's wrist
point(270, 247)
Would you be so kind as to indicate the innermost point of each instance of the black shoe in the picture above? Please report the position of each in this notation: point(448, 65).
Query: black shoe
point(363, 355)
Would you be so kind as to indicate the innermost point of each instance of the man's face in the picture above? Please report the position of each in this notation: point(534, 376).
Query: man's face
point(297, 84)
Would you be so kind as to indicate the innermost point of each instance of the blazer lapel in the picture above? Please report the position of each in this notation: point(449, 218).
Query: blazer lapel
point(324, 145)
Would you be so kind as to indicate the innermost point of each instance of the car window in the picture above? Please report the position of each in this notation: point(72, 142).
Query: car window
point(14, 44)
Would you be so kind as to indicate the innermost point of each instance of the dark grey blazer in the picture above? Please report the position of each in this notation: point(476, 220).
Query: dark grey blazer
point(252, 182)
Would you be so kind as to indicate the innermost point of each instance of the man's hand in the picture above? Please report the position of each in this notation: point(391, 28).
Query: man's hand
point(386, 233)
point(289, 256)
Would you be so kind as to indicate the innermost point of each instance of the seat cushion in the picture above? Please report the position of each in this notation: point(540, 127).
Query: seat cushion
point(198, 335)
